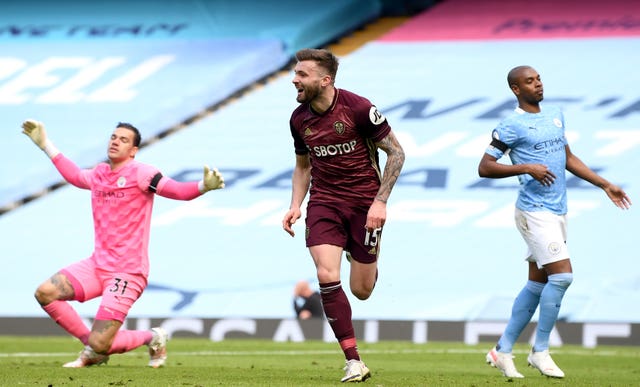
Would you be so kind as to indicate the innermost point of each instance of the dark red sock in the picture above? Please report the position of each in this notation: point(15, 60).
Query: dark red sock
point(338, 311)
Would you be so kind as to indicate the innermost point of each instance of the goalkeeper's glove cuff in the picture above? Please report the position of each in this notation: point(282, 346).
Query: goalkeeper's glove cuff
point(201, 187)
point(50, 149)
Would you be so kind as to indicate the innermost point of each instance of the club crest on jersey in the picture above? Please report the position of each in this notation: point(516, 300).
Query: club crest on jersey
point(121, 181)
point(307, 132)
point(375, 116)
point(338, 126)
point(557, 122)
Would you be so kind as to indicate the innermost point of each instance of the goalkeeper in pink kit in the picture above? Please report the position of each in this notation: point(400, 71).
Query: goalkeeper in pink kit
point(122, 193)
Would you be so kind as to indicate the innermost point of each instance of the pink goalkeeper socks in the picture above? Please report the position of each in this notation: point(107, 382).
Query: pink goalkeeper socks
point(126, 341)
point(65, 316)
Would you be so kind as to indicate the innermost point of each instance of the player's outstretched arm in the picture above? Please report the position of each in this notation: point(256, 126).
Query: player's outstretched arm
point(211, 180)
point(36, 132)
point(580, 169)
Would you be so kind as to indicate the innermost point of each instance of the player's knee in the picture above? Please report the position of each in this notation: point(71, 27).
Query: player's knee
point(45, 293)
point(362, 289)
point(361, 295)
point(325, 276)
point(362, 292)
point(562, 280)
point(55, 288)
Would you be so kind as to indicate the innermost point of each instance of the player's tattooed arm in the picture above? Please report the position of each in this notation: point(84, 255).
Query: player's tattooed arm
point(393, 166)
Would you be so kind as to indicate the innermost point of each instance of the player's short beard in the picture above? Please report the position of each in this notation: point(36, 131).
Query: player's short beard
point(309, 93)
point(534, 99)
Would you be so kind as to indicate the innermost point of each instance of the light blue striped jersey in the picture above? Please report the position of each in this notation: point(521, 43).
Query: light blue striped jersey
point(536, 138)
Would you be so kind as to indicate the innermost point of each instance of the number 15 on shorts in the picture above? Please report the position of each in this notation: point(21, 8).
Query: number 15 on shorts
point(371, 237)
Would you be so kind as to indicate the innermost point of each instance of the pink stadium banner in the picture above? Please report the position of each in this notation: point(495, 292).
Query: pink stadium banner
point(520, 19)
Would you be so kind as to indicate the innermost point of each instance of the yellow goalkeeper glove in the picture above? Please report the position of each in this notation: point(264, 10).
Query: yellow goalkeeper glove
point(212, 179)
point(35, 130)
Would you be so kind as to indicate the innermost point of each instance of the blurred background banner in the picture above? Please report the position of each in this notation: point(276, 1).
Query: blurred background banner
point(80, 90)
point(296, 23)
point(84, 66)
point(450, 250)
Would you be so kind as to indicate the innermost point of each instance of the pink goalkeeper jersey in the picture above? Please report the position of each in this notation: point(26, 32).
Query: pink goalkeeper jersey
point(122, 204)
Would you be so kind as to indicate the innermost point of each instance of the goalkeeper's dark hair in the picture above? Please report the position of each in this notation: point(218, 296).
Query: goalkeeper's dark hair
point(324, 58)
point(137, 138)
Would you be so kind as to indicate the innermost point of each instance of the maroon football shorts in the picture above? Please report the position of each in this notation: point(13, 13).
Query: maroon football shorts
point(342, 226)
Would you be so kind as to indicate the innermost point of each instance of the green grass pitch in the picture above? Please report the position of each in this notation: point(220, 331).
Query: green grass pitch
point(36, 361)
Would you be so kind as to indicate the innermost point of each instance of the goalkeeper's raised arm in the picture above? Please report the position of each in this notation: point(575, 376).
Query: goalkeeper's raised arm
point(36, 132)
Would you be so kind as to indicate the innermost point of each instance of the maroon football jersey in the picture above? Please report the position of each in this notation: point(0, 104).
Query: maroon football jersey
point(340, 142)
